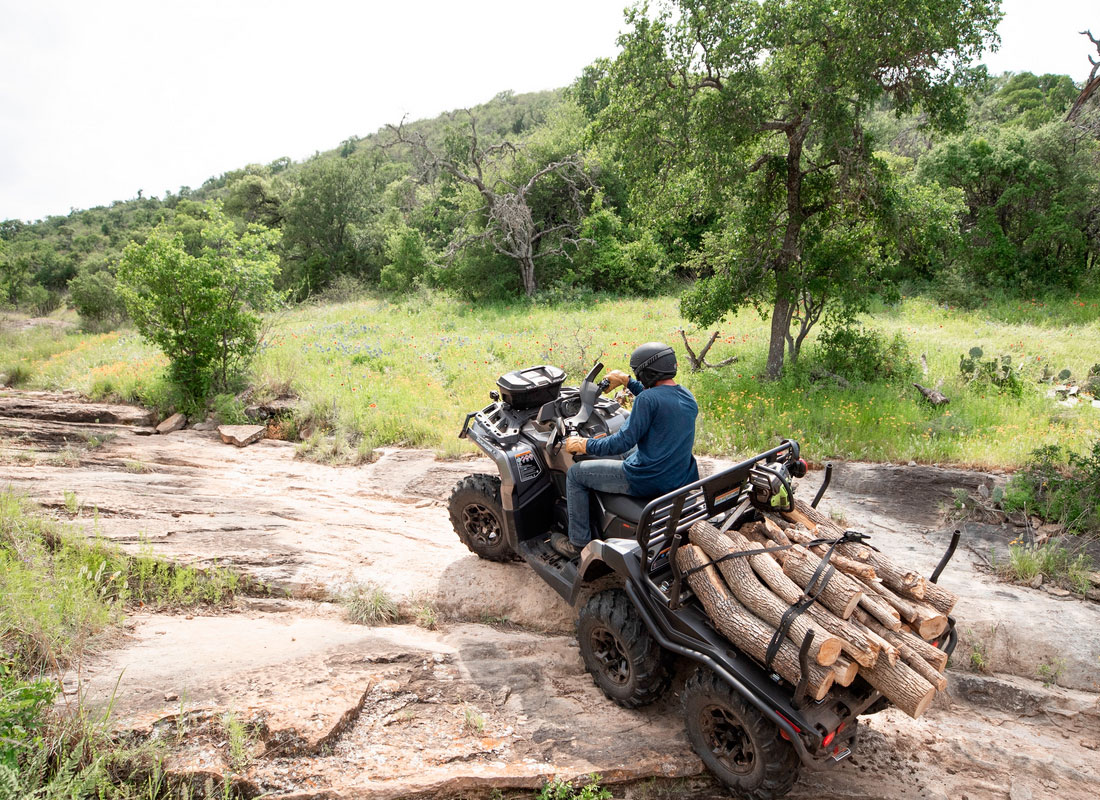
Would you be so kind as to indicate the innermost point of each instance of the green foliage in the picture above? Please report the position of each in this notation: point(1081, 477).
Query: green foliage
point(749, 113)
point(1000, 373)
point(1029, 196)
point(860, 354)
point(60, 591)
point(199, 303)
point(1059, 488)
point(408, 262)
point(94, 295)
point(369, 604)
point(23, 703)
point(562, 789)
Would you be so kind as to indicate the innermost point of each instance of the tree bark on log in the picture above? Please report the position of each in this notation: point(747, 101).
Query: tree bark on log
point(855, 641)
point(902, 685)
point(902, 581)
point(927, 622)
point(757, 597)
point(849, 566)
point(744, 629)
point(841, 594)
point(930, 653)
point(939, 598)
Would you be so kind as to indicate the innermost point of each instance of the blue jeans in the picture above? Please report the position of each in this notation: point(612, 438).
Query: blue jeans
point(603, 475)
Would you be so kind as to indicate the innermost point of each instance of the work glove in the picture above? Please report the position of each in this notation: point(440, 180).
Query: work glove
point(577, 445)
point(617, 378)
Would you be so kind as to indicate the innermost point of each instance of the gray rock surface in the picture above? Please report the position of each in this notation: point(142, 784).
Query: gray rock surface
point(172, 424)
point(241, 435)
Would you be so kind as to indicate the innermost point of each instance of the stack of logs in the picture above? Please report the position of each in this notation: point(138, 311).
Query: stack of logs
point(873, 618)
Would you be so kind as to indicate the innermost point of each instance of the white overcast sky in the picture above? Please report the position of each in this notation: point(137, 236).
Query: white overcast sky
point(101, 99)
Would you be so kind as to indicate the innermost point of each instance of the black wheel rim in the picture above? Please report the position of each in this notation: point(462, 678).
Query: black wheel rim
point(610, 655)
point(726, 738)
point(481, 524)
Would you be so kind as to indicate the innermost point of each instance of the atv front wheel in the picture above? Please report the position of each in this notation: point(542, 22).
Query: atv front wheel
point(736, 742)
point(625, 661)
point(478, 517)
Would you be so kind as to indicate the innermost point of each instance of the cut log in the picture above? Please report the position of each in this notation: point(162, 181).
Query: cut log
point(845, 671)
point(757, 597)
point(939, 598)
point(841, 594)
point(854, 640)
point(746, 631)
point(886, 649)
point(933, 655)
point(902, 685)
point(850, 566)
point(925, 620)
point(905, 582)
point(876, 605)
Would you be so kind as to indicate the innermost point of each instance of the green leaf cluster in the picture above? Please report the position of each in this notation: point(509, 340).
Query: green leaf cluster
point(194, 288)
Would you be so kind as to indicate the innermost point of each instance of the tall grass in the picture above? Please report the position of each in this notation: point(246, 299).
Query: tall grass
point(381, 372)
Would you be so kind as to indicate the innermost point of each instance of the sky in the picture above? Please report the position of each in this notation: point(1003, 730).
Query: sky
point(99, 100)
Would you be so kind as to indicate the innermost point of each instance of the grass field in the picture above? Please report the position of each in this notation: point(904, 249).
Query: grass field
point(378, 372)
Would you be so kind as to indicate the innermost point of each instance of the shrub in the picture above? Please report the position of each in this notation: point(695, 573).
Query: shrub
point(198, 302)
point(95, 297)
point(860, 354)
point(1000, 373)
point(1058, 488)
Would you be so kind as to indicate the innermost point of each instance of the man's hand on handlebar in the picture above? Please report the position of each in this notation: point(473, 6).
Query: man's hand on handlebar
point(616, 378)
point(577, 445)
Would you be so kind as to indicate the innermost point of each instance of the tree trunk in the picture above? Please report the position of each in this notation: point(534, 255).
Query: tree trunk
point(742, 628)
point(777, 341)
point(757, 598)
point(527, 271)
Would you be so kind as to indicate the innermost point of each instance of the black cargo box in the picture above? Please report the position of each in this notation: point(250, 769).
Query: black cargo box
point(531, 387)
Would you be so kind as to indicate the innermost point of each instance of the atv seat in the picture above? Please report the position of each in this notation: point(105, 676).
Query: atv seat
point(626, 506)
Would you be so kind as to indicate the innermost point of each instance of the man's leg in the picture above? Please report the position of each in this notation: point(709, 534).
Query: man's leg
point(603, 475)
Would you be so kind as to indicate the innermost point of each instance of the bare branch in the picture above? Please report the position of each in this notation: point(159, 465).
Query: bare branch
point(699, 362)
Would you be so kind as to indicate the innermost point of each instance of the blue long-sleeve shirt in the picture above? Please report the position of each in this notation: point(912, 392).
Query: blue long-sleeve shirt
point(662, 425)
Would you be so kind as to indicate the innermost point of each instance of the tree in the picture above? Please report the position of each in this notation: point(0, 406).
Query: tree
point(752, 111)
point(199, 304)
point(326, 221)
point(506, 218)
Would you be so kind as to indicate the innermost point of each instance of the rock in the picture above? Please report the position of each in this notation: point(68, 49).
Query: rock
point(207, 425)
point(143, 431)
point(174, 423)
point(1037, 581)
point(912, 463)
point(983, 491)
point(1056, 591)
point(280, 407)
point(241, 435)
point(170, 696)
point(1094, 577)
point(1019, 792)
point(1093, 594)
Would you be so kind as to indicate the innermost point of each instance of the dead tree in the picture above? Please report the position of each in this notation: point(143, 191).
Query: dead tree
point(1085, 111)
point(510, 227)
point(699, 362)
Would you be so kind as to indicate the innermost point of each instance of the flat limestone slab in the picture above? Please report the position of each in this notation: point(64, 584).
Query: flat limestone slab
point(377, 710)
point(241, 435)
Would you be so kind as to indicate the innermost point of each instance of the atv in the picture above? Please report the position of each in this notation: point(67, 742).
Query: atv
point(752, 729)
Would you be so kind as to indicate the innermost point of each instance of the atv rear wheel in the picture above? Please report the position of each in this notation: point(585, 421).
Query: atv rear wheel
point(625, 661)
point(478, 517)
point(737, 743)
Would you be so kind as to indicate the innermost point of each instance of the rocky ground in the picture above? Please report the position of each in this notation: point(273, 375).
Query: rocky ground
point(494, 698)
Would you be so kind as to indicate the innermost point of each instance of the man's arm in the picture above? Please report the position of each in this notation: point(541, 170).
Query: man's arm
point(641, 417)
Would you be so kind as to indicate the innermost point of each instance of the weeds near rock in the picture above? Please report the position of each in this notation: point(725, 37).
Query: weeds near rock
point(1054, 562)
point(473, 719)
point(561, 789)
point(1051, 670)
point(238, 742)
point(369, 604)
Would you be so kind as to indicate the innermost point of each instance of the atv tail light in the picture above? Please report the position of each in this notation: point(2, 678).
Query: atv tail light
point(828, 740)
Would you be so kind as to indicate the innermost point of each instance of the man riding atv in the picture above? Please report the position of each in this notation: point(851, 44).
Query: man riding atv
point(658, 438)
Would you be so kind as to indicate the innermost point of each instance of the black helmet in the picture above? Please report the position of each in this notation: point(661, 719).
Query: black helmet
point(652, 362)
